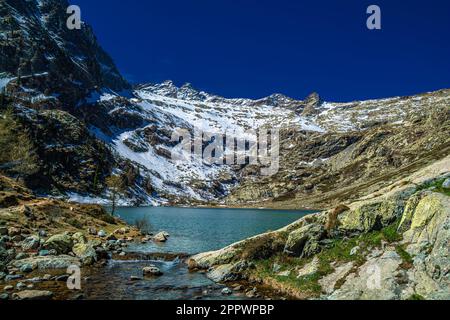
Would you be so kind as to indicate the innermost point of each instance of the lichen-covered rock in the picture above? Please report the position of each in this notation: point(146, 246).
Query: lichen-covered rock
point(305, 241)
point(62, 243)
point(47, 263)
point(430, 216)
point(85, 252)
point(374, 215)
point(375, 280)
point(79, 237)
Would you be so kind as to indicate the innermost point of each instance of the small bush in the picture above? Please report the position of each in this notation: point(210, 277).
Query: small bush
point(143, 225)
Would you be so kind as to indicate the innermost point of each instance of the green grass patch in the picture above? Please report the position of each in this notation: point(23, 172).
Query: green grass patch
point(407, 259)
point(435, 186)
point(416, 297)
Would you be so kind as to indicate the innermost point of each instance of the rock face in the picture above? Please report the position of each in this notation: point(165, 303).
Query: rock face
point(57, 57)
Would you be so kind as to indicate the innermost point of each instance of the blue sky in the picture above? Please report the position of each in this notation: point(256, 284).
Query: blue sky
point(253, 48)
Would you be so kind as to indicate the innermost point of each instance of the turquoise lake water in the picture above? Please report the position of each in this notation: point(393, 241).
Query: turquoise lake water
point(195, 230)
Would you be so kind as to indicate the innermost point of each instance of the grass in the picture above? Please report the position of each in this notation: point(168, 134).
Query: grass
point(416, 297)
point(406, 258)
point(339, 251)
point(435, 186)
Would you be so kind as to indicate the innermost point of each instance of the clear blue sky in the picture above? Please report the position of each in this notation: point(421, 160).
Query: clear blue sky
point(252, 48)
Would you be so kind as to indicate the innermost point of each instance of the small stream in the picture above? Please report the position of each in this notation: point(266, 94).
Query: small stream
point(192, 231)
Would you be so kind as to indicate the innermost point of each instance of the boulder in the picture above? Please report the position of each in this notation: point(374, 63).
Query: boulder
point(152, 271)
point(309, 269)
point(160, 237)
point(86, 253)
point(26, 268)
point(13, 231)
point(3, 231)
point(101, 234)
point(62, 243)
point(92, 231)
point(227, 292)
point(446, 184)
point(31, 243)
point(33, 295)
point(47, 263)
point(79, 238)
point(304, 242)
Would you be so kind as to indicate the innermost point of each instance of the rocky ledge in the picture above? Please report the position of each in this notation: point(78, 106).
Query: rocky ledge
point(390, 245)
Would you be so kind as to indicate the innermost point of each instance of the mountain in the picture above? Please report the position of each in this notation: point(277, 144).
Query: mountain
point(328, 151)
point(86, 123)
point(56, 65)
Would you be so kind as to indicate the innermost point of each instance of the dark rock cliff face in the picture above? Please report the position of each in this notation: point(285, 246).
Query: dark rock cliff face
point(37, 47)
point(52, 71)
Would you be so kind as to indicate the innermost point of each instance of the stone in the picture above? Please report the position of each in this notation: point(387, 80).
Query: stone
point(48, 263)
point(226, 292)
point(446, 184)
point(304, 242)
point(309, 269)
point(45, 253)
point(22, 255)
point(26, 268)
point(111, 237)
point(33, 295)
point(42, 233)
point(152, 271)
point(375, 280)
point(4, 296)
point(328, 283)
point(13, 231)
point(286, 273)
point(160, 237)
point(101, 234)
point(31, 243)
point(13, 277)
point(8, 288)
point(135, 278)
point(21, 286)
point(354, 250)
point(86, 253)
point(78, 238)
point(92, 231)
point(62, 243)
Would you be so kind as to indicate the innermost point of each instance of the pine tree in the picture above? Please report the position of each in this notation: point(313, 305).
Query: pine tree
point(115, 184)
